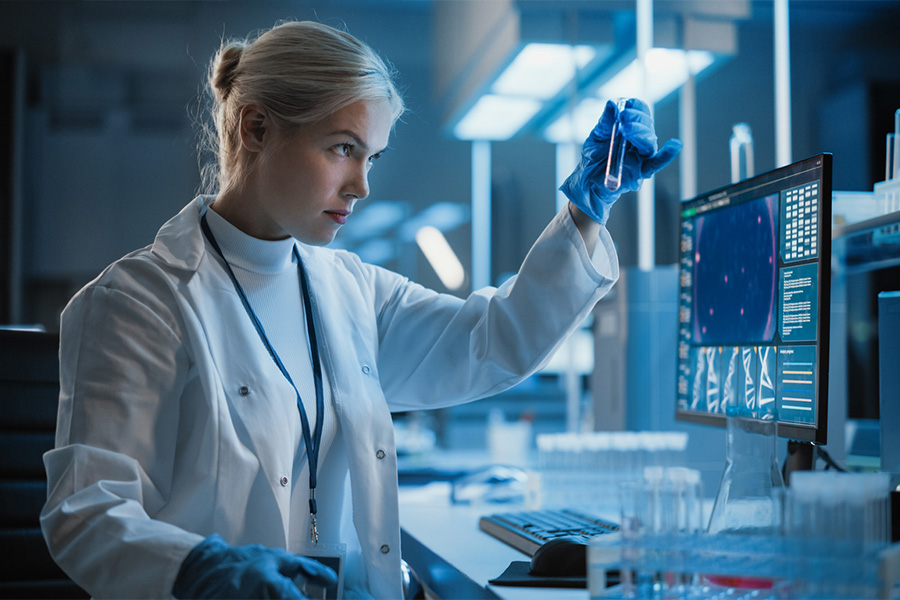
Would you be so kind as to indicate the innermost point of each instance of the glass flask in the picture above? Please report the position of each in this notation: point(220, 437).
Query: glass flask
point(751, 490)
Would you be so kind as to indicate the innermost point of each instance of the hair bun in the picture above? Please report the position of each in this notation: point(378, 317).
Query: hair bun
point(225, 69)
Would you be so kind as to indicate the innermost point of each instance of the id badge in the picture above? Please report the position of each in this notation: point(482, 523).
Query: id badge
point(330, 555)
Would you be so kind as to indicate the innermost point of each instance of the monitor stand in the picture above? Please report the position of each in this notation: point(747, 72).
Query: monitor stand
point(801, 456)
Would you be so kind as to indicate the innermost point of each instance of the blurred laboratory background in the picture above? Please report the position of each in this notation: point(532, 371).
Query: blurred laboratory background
point(101, 104)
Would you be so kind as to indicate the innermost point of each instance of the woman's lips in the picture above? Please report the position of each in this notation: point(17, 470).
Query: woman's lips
point(338, 216)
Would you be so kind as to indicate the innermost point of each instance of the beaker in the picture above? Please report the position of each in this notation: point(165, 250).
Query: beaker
point(750, 492)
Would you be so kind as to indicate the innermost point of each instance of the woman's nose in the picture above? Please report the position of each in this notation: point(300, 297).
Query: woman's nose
point(358, 185)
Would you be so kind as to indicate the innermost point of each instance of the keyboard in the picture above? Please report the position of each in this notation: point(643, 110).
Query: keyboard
point(527, 531)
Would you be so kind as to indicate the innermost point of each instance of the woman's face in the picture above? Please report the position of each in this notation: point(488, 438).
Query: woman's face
point(306, 185)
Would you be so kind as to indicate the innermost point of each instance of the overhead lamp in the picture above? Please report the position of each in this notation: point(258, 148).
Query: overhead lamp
point(574, 125)
point(441, 257)
point(496, 117)
point(537, 74)
point(542, 70)
point(667, 69)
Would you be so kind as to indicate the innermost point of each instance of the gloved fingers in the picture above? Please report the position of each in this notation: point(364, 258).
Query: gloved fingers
point(602, 131)
point(281, 587)
point(637, 127)
point(661, 159)
point(637, 168)
point(293, 565)
point(638, 105)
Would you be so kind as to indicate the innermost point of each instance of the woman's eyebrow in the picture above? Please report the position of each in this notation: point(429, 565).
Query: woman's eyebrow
point(359, 142)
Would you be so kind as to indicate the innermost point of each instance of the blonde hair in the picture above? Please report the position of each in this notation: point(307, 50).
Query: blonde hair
point(300, 72)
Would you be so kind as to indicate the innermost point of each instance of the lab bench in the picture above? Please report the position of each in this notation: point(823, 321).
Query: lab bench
point(455, 559)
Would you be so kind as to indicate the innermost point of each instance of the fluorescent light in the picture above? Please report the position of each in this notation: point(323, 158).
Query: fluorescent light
point(667, 70)
point(441, 257)
point(573, 126)
point(542, 70)
point(496, 117)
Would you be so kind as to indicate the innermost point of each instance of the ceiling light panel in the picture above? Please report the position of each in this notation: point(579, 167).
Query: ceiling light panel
point(542, 70)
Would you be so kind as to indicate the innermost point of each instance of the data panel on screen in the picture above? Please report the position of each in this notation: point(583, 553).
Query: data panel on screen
point(753, 305)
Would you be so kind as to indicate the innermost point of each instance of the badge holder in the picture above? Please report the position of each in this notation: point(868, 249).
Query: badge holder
point(330, 555)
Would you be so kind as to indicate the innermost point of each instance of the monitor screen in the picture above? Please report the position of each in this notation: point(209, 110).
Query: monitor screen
point(753, 300)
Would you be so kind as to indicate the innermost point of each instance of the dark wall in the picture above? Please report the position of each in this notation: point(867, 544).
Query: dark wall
point(110, 144)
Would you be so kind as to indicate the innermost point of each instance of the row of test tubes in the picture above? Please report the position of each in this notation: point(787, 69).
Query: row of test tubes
point(833, 544)
point(889, 189)
point(585, 469)
point(892, 152)
point(839, 522)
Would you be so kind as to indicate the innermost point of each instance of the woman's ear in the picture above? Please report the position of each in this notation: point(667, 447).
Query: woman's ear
point(253, 127)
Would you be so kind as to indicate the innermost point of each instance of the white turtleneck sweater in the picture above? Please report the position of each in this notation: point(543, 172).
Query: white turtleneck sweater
point(268, 273)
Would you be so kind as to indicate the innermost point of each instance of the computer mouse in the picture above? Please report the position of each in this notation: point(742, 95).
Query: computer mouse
point(562, 556)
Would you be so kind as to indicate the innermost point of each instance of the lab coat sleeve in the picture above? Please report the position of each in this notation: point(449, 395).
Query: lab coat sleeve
point(122, 367)
point(438, 350)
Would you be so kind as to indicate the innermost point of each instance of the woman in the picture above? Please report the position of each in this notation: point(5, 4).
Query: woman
point(226, 392)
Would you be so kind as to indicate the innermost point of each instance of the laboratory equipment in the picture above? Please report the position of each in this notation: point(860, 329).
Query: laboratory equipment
point(606, 143)
point(840, 522)
point(867, 263)
point(754, 300)
point(834, 544)
point(584, 470)
point(889, 381)
point(658, 515)
point(889, 172)
point(616, 158)
point(741, 146)
point(896, 153)
point(750, 493)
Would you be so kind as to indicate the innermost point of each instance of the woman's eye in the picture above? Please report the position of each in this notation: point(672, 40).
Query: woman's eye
point(345, 149)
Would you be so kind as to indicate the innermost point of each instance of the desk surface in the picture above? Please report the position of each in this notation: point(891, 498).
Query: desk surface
point(451, 532)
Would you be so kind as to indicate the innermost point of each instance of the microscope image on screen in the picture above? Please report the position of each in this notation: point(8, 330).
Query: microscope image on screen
point(736, 274)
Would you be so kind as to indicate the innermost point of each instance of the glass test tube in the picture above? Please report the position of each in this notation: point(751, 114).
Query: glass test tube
point(896, 153)
point(616, 158)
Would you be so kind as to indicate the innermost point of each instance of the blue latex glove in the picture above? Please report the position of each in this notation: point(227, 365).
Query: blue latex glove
point(585, 187)
point(215, 569)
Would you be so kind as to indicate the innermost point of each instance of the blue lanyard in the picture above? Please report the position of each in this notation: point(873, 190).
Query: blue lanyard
point(312, 442)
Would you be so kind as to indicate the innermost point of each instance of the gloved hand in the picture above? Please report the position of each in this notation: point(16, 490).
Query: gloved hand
point(585, 187)
point(215, 569)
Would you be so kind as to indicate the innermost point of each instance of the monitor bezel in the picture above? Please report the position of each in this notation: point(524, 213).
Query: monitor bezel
point(817, 434)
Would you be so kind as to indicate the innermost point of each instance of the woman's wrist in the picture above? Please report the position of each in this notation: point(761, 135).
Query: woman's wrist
point(587, 227)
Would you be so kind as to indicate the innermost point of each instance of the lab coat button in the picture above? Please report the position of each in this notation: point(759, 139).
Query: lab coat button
point(385, 549)
point(244, 390)
point(366, 369)
point(284, 481)
point(380, 453)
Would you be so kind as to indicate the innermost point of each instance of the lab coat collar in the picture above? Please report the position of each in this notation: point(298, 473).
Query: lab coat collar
point(179, 242)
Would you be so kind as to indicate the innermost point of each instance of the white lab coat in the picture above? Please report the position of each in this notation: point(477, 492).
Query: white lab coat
point(167, 427)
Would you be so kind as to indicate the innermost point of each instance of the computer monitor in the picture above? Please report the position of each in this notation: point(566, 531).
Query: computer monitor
point(753, 300)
